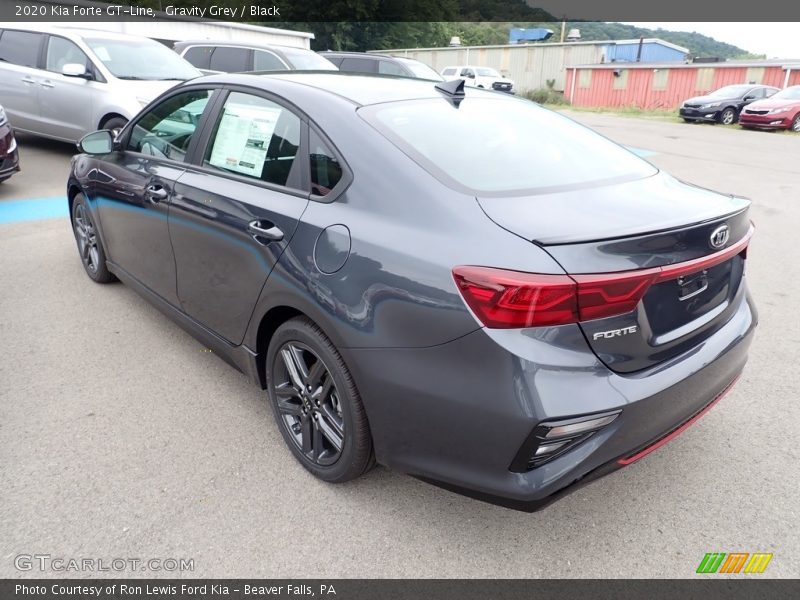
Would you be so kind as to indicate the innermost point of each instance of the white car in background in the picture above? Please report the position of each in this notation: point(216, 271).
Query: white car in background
point(63, 83)
point(481, 77)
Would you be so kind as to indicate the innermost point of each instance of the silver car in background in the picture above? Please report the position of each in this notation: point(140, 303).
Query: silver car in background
point(62, 83)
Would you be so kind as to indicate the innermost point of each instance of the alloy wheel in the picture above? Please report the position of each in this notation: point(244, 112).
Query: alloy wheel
point(308, 403)
point(728, 117)
point(796, 124)
point(87, 238)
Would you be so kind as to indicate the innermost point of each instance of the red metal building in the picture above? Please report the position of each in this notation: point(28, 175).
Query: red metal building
point(666, 85)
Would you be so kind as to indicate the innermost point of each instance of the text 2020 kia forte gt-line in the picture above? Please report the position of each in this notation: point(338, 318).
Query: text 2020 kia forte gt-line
point(457, 284)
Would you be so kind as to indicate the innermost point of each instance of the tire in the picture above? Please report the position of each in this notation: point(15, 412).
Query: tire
point(2, 179)
point(685, 120)
point(90, 247)
point(728, 116)
point(795, 126)
point(115, 124)
point(327, 411)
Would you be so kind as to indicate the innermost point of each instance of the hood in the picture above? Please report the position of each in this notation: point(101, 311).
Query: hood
point(770, 103)
point(648, 205)
point(709, 100)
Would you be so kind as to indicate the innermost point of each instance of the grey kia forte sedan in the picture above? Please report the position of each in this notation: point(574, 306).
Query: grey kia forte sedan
point(452, 282)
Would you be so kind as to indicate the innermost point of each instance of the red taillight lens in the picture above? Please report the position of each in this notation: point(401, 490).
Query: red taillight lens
point(611, 294)
point(511, 299)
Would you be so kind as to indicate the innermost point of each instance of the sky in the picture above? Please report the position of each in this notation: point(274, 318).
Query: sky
point(776, 40)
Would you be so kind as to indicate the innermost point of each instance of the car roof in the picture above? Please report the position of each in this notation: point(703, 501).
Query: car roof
point(229, 43)
point(74, 32)
point(346, 53)
point(357, 88)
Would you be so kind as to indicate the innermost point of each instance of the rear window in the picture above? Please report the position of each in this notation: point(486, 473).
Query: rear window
point(502, 146)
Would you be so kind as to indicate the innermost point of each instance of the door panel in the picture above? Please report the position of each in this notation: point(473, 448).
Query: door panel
point(134, 190)
point(19, 90)
point(228, 229)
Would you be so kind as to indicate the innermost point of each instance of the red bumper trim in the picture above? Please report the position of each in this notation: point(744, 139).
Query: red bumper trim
point(676, 432)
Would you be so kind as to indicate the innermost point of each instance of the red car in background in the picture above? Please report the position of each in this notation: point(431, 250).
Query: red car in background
point(781, 111)
point(9, 158)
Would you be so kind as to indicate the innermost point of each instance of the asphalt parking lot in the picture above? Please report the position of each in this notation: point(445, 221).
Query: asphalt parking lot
point(121, 437)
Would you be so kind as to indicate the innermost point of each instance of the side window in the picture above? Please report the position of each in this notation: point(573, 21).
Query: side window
point(199, 56)
point(325, 168)
point(230, 60)
point(387, 67)
point(467, 73)
point(449, 72)
point(336, 60)
point(20, 48)
point(267, 61)
point(257, 138)
point(358, 65)
point(61, 51)
point(166, 130)
point(769, 92)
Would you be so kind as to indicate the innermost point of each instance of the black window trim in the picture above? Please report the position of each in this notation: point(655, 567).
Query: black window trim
point(124, 138)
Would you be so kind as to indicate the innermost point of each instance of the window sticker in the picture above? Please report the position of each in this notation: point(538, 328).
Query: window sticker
point(243, 138)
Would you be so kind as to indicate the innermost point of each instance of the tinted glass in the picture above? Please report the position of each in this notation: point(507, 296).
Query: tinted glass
point(448, 72)
point(731, 91)
point(141, 59)
point(326, 171)
point(267, 61)
point(306, 60)
point(231, 60)
point(62, 52)
point(256, 138)
point(421, 70)
point(495, 146)
point(358, 65)
point(166, 130)
point(790, 93)
point(199, 56)
point(486, 72)
point(20, 48)
point(387, 67)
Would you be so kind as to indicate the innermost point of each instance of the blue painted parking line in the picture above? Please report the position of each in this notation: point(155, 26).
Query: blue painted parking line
point(33, 209)
point(640, 151)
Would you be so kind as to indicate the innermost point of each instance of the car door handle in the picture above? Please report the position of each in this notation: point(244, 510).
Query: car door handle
point(155, 193)
point(28, 80)
point(47, 84)
point(266, 230)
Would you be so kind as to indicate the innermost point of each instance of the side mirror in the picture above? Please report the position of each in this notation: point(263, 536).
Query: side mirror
point(747, 98)
point(97, 142)
point(470, 75)
point(75, 70)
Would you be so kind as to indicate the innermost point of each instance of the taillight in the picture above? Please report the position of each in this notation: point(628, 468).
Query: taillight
point(506, 299)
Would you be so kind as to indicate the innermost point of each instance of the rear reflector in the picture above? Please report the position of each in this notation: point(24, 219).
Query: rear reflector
point(506, 299)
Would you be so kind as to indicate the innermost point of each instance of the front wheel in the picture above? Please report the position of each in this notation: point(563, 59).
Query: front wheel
point(796, 123)
point(316, 404)
point(728, 116)
point(115, 125)
point(90, 247)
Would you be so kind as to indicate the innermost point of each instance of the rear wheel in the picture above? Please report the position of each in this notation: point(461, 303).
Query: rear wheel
point(115, 124)
point(796, 123)
point(728, 116)
point(316, 403)
point(90, 247)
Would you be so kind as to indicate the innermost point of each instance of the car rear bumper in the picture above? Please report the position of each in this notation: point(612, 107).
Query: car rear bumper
point(779, 121)
point(9, 156)
point(697, 114)
point(457, 414)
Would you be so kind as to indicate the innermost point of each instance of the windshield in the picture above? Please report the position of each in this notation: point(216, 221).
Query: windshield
point(501, 147)
point(730, 91)
point(306, 60)
point(487, 72)
point(420, 70)
point(791, 93)
point(141, 59)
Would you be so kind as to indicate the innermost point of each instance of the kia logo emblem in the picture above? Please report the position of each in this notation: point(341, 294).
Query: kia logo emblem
point(719, 237)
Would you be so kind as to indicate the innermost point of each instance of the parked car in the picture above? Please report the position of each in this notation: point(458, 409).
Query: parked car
point(361, 62)
point(232, 57)
point(62, 83)
point(480, 77)
point(781, 111)
point(408, 290)
point(725, 104)
point(9, 157)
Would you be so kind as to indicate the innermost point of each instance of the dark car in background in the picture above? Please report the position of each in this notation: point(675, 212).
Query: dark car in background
point(378, 255)
point(9, 157)
point(725, 104)
point(231, 57)
point(381, 64)
point(781, 111)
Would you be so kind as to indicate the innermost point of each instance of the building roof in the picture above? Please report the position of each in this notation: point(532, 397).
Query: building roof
point(784, 63)
point(658, 41)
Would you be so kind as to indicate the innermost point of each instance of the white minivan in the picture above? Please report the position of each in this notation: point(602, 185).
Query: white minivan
point(481, 77)
point(63, 83)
